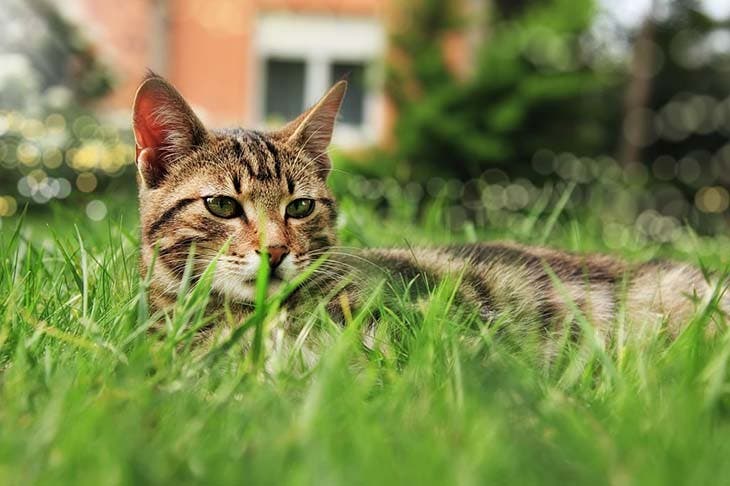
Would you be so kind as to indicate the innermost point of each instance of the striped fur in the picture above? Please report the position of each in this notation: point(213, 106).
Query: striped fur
point(181, 164)
point(539, 289)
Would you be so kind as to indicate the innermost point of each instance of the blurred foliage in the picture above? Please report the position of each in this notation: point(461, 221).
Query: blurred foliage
point(544, 77)
point(611, 205)
point(50, 144)
point(539, 104)
point(688, 113)
point(532, 87)
point(67, 56)
point(42, 50)
point(547, 98)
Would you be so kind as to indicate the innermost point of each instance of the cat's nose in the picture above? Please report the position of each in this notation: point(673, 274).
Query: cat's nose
point(276, 253)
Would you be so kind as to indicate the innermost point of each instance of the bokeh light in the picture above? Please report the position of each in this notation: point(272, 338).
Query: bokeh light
point(713, 199)
point(8, 206)
point(96, 210)
point(86, 182)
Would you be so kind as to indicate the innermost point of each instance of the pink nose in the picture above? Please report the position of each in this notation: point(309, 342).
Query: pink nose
point(276, 253)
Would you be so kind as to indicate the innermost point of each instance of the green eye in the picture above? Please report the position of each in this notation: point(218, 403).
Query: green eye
point(223, 206)
point(300, 208)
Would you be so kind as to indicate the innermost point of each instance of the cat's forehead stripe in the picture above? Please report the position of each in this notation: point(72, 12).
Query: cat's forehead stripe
point(260, 155)
point(270, 152)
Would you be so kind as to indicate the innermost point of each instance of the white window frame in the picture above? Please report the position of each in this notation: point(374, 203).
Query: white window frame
point(320, 41)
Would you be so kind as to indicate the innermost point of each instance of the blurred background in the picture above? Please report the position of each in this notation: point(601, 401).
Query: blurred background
point(620, 108)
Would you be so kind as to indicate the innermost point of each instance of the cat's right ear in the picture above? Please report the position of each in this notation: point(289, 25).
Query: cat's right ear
point(311, 132)
point(165, 128)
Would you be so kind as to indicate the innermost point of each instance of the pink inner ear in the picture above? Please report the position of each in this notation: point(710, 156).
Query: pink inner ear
point(148, 132)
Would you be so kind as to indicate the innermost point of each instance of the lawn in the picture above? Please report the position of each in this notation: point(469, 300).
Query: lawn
point(90, 396)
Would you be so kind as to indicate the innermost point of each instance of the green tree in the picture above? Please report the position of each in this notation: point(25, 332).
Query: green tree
point(51, 74)
point(532, 87)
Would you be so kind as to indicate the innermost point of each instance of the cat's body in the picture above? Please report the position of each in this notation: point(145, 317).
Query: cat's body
point(234, 194)
point(539, 289)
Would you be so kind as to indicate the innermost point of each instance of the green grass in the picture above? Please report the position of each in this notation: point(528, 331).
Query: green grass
point(88, 396)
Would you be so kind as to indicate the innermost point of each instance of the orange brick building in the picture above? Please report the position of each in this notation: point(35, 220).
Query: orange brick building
point(247, 62)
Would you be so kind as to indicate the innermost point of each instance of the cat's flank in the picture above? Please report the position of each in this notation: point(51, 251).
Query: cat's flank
point(238, 194)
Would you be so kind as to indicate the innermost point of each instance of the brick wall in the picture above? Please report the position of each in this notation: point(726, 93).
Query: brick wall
point(208, 52)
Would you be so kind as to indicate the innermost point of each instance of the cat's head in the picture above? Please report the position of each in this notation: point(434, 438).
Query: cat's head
point(242, 190)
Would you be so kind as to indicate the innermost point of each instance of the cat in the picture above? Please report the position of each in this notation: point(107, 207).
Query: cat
point(239, 195)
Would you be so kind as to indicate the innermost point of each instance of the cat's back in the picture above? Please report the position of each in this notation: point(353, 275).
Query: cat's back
point(545, 285)
point(495, 262)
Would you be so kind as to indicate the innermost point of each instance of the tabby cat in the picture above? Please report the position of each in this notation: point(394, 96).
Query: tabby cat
point(241, 194)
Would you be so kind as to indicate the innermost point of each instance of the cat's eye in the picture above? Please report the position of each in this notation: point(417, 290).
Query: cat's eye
point(300, 208)
point(223, 206)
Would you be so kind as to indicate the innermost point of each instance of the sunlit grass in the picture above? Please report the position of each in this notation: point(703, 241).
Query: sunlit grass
point(90, 396)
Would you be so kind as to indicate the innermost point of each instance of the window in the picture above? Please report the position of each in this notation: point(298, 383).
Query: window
point(299, 56)
point(284, 89)
point(353, 107)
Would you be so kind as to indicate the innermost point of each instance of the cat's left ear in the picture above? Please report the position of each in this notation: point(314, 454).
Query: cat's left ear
point(311, 131)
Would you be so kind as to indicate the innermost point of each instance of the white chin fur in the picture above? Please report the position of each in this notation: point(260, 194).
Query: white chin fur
point(238, 281)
